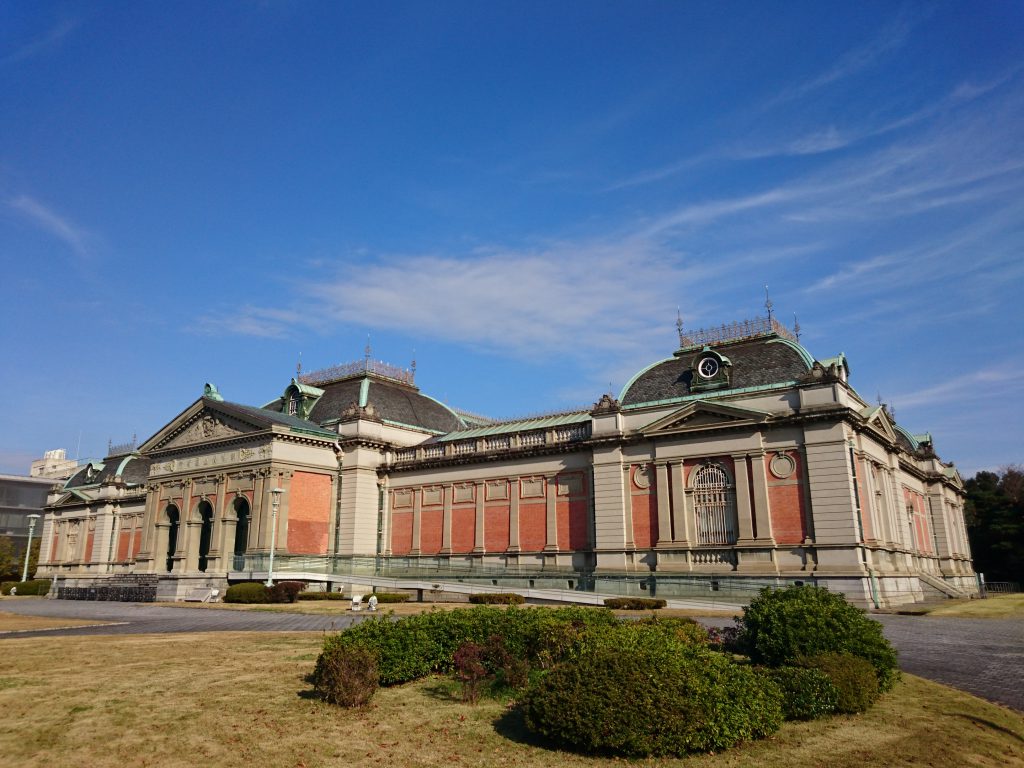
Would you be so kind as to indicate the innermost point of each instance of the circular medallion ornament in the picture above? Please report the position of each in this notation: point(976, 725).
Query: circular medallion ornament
point(707, 368)
point(782, 465)
point(642, 477)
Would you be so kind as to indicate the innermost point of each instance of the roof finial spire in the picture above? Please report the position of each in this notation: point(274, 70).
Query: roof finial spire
point(298, 367)
point(366, 353)
point(796, 327)
point(679, 325)
point(768, 302)
point(412, 368)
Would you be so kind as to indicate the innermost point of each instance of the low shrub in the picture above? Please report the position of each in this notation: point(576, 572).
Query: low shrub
point(681, 628)
point(321, 596)
point(286, 591)
point(509, 670)
point(497, 598)
point(634, 603)
point(726, 639)
point(31, 587)
point(808, 693)
point(853, 677)
point(417, 645)
point(470, 670)
point(651, 700)
point(247, 592)
point(392, 597)
point(346, 676)
point(780, 626)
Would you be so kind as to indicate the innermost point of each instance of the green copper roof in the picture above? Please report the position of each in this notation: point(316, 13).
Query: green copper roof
point(522, 425)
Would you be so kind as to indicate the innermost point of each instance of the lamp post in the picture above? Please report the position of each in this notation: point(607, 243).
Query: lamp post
point(275, 504)
point(28, 549)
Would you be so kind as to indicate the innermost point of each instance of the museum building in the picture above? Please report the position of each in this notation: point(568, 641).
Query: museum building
point(739, 461)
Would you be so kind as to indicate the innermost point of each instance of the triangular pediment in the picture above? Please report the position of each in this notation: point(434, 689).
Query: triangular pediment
point(70, 498)
point(202, 422)
point(701, 415)
point(878, 420)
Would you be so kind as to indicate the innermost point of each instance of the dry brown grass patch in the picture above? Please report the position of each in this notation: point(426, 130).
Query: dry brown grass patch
point(15, 622)
point(228, 699)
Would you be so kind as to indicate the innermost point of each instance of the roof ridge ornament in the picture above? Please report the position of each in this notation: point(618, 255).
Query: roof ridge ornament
point(768, 303)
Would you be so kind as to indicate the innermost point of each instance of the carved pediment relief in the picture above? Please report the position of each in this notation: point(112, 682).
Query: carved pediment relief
point(204, 428)
point(878, 420)
point(703, 416)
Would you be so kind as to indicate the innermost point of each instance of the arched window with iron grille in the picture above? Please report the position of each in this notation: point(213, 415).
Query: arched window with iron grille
point(714, 504)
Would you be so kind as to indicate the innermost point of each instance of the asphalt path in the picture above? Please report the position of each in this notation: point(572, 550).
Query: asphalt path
point(982, 656)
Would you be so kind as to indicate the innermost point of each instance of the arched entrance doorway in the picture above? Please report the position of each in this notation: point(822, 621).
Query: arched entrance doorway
point(205, 511)
point(241, 532)
point(173, 519)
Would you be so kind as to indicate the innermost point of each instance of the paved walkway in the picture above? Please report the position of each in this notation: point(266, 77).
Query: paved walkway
point(982, 656)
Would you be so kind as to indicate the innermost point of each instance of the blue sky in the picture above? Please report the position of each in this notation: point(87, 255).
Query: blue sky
point(519, 195)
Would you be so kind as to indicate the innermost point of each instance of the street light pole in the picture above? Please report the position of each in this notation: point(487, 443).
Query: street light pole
point(275, 504)
point(28, 549)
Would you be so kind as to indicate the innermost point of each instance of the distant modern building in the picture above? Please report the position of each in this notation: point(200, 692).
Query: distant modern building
point(20, 497)
point(54, 464)
point(739, 460)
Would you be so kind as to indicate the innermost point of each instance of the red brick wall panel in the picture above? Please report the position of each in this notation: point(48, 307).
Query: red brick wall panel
point(787, 503)
point(309, 513)
point(430, 530)
point(89, 541)
point(123, 540)
point(573, 533)
point(463, 529)
point(496, 528)
point(401, 533)
point(645, 519)
point(532, 526)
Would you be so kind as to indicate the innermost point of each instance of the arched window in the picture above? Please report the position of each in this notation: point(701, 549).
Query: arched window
point(205, 533)
point(172, 535)
point(241, 527)
point(714, 504)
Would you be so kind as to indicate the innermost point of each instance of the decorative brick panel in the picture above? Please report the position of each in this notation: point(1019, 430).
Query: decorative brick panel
point(463, 529)
point(786, 499)
point(309, 513)
point(532, 527)
point(496, 528)
point(573, 533)
point(401, 533)
point(430, 531)
point(123, 540)
point(89, 541)
point(645, 518)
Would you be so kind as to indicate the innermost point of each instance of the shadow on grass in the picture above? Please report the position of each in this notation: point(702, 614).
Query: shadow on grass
point(989, 724)
point(512, 727)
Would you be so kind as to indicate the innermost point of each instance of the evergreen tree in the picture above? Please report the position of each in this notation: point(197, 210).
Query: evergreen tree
point(994, 514)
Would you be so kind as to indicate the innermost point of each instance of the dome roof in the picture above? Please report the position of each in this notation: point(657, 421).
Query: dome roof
point(132, 468)
point(393, 401)
point(755, 362)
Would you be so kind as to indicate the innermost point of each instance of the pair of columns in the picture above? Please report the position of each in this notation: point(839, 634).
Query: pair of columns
point(677, 515)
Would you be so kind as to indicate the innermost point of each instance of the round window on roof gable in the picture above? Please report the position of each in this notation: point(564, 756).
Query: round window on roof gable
point(708, 367)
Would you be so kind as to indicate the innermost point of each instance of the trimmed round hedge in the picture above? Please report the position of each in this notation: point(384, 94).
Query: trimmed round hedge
point(808, 693)
point(782, 626)
point(657, 699)
point(852, 677)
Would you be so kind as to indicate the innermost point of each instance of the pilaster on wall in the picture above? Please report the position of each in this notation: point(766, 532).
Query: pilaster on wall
point(830, 478)
point(611, 499)
point(357, 520)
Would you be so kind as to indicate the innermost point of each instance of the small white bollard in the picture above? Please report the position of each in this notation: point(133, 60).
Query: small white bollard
point(357, 602)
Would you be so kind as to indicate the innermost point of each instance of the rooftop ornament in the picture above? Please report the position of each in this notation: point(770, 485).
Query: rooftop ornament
point(366, 365)
point(736, 331)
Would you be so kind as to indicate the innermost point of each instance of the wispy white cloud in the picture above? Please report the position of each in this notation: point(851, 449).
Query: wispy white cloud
point(891, 37)
point(981, 386)
point(73, 236)
point(247, 320)
point(40, 45)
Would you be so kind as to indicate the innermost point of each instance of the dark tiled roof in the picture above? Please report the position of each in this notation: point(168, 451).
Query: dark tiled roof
point(135, 471)
point(393, 402)
point(755, 362)
point(261, 417)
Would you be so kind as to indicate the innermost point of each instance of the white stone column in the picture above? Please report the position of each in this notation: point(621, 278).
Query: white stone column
point(664, 506)
point(551, 532)
point(478, 539)
point(513, 516)
point(762, 504)
point(446, 519)
point(744, 511)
